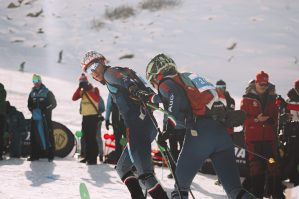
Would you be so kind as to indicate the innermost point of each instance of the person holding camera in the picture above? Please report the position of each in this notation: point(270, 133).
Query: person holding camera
point(90, 97)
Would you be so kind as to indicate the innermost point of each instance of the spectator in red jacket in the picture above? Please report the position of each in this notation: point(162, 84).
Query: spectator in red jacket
point(260, 137)
point(90, 97)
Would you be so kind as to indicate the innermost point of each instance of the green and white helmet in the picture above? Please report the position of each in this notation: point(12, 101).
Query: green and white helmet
point(159, 67)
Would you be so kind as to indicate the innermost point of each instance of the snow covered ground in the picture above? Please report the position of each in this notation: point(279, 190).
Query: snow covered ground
point(198, 34)
point(61, 179)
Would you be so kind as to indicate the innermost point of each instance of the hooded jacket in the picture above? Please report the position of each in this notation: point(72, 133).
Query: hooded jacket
point(254, 104)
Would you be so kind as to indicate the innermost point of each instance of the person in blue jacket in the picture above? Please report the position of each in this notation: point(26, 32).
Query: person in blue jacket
point(121, 82)
point(101, 107)
point(41, 102)
point(119, 129)
point(204, 136)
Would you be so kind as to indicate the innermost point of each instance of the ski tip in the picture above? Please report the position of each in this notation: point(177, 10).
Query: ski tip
point(83, 191)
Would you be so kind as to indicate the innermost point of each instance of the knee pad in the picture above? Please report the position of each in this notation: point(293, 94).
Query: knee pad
point(128, 175)
point(149, 181)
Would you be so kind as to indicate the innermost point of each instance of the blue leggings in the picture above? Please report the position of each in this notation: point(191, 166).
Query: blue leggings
point(140, 135)
point(210, 141)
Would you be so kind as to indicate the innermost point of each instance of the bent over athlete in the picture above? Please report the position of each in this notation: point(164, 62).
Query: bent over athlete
point(204, 136)
point(140, 129)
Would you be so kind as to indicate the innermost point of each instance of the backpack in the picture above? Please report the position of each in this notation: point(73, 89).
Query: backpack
point(202, 95)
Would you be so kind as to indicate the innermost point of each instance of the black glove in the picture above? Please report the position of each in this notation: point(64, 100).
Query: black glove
point(43, 104)
point(162, 137)
point(143, 95)
point(107, 123)
point(101, 118)
point(139, 94)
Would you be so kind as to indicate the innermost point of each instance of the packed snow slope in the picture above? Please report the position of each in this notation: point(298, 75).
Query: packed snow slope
point(229, 40)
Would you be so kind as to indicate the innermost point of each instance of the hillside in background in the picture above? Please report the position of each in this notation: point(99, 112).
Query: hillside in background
point(230, 40)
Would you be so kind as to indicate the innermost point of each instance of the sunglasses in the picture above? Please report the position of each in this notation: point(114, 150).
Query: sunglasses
point(263, 85)
point(92, 67)
point(220, 87)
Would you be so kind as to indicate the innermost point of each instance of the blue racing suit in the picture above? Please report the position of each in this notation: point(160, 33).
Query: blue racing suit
point(140, 131)
point(204, 138)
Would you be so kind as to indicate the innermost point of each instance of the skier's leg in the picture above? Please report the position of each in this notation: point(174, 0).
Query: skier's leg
point(124, 170)
point(226, 168)
point(139, 147)
point(195, 150)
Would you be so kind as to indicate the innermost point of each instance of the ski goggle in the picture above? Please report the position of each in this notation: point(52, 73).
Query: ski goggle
point(92, 67)
point(35, 81)
point(221, 86)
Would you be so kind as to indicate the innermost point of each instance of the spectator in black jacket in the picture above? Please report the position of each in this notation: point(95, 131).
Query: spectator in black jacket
point(41, 102)
point(16, 126)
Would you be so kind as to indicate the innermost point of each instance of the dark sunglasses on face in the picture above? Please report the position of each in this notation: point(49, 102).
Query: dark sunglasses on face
point(263, 85)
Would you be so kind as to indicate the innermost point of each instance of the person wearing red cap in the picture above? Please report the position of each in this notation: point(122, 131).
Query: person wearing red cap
point(260, 137)
point(90, 97)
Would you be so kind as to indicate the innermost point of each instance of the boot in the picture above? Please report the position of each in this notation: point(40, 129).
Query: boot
point(278, 188)
point(257, 185)
point(133, 186)
point(154, 188)
point(158, 192)
point(176, 195)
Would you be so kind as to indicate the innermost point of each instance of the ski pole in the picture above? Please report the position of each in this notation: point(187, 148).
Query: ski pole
point(168, 154)
point(269, 160)
point(168, 160)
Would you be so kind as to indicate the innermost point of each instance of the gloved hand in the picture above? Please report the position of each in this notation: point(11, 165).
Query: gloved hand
point(101, 118)
point(143, 95)
point(162, 137)
point(107, 123)
point(139, 94)
point(42, 104)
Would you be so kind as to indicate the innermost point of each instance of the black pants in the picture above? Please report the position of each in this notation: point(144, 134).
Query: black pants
point(176, 144)
point(89, 129)
point(36, 149)
point(119, 129)
point(265, 177)
point(2, 128)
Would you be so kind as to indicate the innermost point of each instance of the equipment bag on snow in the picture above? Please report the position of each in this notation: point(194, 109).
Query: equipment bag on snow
point(202, 95)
